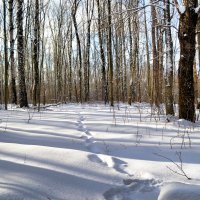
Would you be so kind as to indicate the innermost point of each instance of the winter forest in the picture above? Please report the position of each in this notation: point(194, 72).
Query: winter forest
point(99, 100)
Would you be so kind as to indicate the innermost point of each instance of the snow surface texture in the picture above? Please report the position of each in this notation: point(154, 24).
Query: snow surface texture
point(93, 152)
point(180, 191)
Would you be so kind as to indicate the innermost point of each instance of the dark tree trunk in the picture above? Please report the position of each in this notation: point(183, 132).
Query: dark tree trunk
point(156, 89)
point(5, 55)
point(74, 10)
point(131, 88)
point(36, 92)
point(186, 34)
point(103, 63)
point(110, 59)
point(70, 64)
point(89, 10)
point(20, 49)
point(198, 40)
point(148, 58)
point(12, 59)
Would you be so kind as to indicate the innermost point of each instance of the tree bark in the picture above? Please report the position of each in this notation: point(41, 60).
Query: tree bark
point(70, 63)
point(156, 89)
point(20, 49)
point(103, 63)
point(36, 45)
point(110, 59)
point(12, 59)
point(147, 57)
point(74, 10)
point(169, 62)
point(5, 56)
point(186, 35)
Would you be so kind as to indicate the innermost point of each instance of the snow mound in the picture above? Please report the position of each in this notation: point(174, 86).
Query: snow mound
point(179, 191)
point(111, 162)
point(185, 123)
point(134, 189)
point(14, 192)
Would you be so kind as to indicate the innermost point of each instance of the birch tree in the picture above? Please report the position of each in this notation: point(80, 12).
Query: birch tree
point(169, 62)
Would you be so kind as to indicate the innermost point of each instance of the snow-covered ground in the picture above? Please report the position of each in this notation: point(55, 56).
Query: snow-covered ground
point(92, 152)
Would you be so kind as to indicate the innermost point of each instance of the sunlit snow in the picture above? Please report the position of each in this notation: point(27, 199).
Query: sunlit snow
point(94, 152)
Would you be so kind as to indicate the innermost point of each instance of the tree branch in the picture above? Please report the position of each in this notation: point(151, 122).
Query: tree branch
point(177, 6)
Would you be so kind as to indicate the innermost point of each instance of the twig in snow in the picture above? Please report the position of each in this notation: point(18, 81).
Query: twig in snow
point(180, 171)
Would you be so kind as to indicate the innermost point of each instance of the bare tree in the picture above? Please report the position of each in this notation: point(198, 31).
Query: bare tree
point(89, 12)
point(74, 11)
point(103, 63)
point(149, 89)
point(110, 58)
point(12, 59)
point(186, 35)
point(169, 61)
point(20, 49)
point(156, 89)
point(5, 55)
point(36, 46)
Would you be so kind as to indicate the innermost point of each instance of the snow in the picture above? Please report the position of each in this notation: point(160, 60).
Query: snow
point(197, 9)
point(179, 191)
point(89, 151)
point(182, 9)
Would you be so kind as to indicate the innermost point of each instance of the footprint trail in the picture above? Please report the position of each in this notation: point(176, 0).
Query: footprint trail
point(98, 151)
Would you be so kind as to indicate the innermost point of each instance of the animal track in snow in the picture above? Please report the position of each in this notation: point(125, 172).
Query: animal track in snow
point(98, 151)
point(112, 162)
point(81, 126)
point(136, 189)
point(89, 141)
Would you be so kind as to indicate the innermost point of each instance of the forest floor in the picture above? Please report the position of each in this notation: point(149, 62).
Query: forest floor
point(93, 152)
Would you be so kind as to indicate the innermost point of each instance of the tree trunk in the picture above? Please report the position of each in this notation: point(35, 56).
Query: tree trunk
point(5, 56)
point(74, 10)
point(156, 89)
point(103, 63)
point(89, 11)
point(70, 64)
point(148, 58)
point(12, 59)
point(169, 62)
point(134, 64)
point(198, 40)
point(36, 45)
point(110, 59)
point(20, 49)
point(186, 35)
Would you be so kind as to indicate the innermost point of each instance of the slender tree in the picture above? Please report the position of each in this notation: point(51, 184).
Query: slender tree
point(5, 55)
point(12, 59)
point(156, 89)
point(36, 45)
point(147, 57)
point(103, 62)
point(74, 11)
point(89, 12)
point(20, 49)
point(169, 61)
point(110, 58)
point(70, 62)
